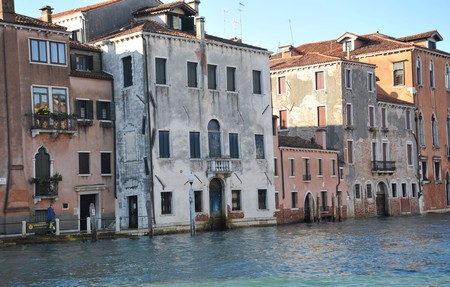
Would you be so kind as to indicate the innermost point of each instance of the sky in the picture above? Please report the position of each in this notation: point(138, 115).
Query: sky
point(270, 24)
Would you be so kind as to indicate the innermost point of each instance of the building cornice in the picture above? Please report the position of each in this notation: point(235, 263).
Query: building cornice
point(37, 29)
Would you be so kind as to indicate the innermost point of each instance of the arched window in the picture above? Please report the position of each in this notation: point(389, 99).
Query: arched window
point(431, 74)
point(215, 147)
point(419, 71)
point(42, 171)
point(447, 77)
point(422, 130)
point(434, 130)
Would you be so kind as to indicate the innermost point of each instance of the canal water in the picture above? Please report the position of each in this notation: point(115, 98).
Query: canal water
point(400, 251)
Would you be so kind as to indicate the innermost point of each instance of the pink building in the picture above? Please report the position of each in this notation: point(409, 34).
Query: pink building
point(308, 180)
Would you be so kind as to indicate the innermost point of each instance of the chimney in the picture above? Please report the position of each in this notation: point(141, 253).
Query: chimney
point(47, 14)
point(286, 51)
point(321, 138)
point(194, 5)
point(200, 27)
point(7, 12)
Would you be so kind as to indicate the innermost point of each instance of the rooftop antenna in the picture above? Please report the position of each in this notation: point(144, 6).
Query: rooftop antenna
point(292, 37)
point(225, 22)
point(240, 16)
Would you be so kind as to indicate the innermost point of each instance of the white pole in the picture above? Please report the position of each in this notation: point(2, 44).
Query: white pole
point(192, 210)
point(88, 225)
point(57, 226)
point(117, 223)
point(24, 228)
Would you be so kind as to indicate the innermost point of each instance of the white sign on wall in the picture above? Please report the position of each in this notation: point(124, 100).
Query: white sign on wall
point(2, 181)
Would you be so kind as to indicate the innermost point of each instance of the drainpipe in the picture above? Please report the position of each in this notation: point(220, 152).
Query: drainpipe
point(8, 176)
point(150, 209)
point(338, 192)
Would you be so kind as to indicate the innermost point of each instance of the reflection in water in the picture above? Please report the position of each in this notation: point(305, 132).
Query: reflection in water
point(406, 251)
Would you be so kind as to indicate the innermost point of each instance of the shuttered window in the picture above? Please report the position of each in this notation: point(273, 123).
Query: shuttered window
point(212, 77)
point(282, 85)
point(84, 109)
point(83, 163)
point(234, 145)
point(399, 74)
point(257, 82)
point(105, 110)
point(321, 116)
point(164, 144)
point(194, 143)
point(160, 71)
point(231, 79)
point(127, 72)
point(192, 74)
point(259, 143)
point(320, 81)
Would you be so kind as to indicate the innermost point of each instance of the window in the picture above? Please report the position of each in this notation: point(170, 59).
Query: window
point(431, 44)
point(262, 199)
point(435, 132)
point(234, 145)
point(38, 50)
point(348, 78)
point(257, 82)
point(419, 71)
point(319, 167)
point(42, 166)
point(404, 191)
point(236, 200)
point(48, 52)
point(341, 173)
point(357, 191)
point(84, 109)
point(83, 163)
point(82, 62)
point(160, 71)
point(57, 53)
point(371, 116)
point(294, 199)
point(127, 71)
point(58, 102)
point(259, 143)
point(166, 202)
point(409, 153)
point(394, 189)
point(447, 77)
point(198, 200)
point(77, 35)
point(399, 77)
point(194, 144)
point(214, 141)
point(333, 167)
point(349, 115)
point(277, 202)
point(385, 150)
point(40, 98)
point(291, 167)
point(431, 74)
point(323, 201)
point(192, 74)
point(437, 170)
point(275, 167)
point(319, 80)
point(383, 118)
point(105, 162)
point(374, 151)
point(283, 120)
point(212, 77)
point(414, 189)
point(164, 144)
point(306, 170)
point(424, 169)
point(321, 116)
point(421, 130)
point(348, 46)
point(282, 85)
point(370, 82)
point(231, 79)
point(105, 111)
point(369, 190)
point(408, 119)
point(350, 151)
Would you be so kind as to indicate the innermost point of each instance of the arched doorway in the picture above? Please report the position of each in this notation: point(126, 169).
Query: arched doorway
point(381, 199)
point(216, 214)
point(42, 171)
point(309, 208)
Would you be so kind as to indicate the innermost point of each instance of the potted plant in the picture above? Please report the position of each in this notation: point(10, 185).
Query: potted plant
point(42, 116)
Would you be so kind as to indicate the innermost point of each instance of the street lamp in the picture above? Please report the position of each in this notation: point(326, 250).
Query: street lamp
point(191, 204)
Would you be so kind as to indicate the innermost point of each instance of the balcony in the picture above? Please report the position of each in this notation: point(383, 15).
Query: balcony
point(220, 166)
point(306, 177)
point(383, 166)
point(63, 123)
point(46, 186)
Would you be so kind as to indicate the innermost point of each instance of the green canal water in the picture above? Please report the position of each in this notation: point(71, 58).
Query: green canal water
point(401, 251)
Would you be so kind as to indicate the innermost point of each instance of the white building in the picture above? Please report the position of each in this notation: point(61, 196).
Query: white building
point(209, 102)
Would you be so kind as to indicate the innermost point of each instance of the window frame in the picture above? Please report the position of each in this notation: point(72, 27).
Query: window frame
point(283, 120)
point(104, 169)
point(419, 71)
point(291, 167)
point(281, 85)
point(294, 199)
point(357, 191)
point(164, 150)
point(127, 71)
point(371, 116)
point(321, 111)
point(231, 79)
point(259, 146)
point(394, 190)
point(195, 145)
point(350, 152)
point(236, 201)
point(447, 77)
point(47, 46)
point(432, 75)
point(437, 170)
point(348, 78)
point(409, 154)
point(166, 203)
point(319, 168)
point(257, 82)
point(84, 168)
point(108, 107)
point(198, 201)
point(212, 77)
point(370, 82)
point(398, 74)
point(161, 71)
point(262, 199)
point(191, 75)
point(233, 142)
point(319, 85)
point(349, 114)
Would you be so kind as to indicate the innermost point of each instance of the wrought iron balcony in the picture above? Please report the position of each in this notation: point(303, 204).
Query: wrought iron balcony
point(383, 166)
point(307, 177)
point(53, 123)
point(222, 166)
point(46, 186)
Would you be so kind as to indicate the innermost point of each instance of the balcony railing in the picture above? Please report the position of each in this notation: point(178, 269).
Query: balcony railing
point(45, 187)
point(383, 166)
point(223, 166)
point(50, 123)
point(306, 177)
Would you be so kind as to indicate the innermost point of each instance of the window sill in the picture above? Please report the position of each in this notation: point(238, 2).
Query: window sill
point(438, 182)
point(84, 175)
point(162, 85)
point(107, 174)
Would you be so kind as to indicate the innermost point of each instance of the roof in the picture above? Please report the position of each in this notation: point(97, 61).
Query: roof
point(149, 26)
point(163, 8)
point(80, 46)
point(29, 21)
point(422, 36)
point(297, 142)
point(316, 53)
point(389, 99)
point(86, 8)
point(91, 75)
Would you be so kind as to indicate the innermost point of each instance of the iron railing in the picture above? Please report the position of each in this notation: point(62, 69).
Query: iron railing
point(383, 166)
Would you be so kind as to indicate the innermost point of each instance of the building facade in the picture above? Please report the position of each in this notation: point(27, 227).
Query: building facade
point(43, 148)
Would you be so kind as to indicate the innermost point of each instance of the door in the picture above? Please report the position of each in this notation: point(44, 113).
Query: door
point(215, 197)
point(381, 199)
point(132, 212)
point(309, 209)
point(85, 201)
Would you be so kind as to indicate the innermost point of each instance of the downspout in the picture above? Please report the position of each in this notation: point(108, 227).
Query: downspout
point(5, 207)
point(150, 176)
point(338, 193)
point(114, 137)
